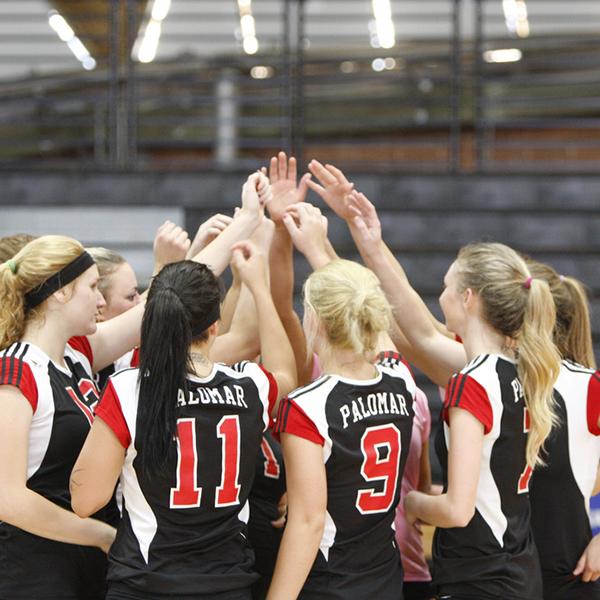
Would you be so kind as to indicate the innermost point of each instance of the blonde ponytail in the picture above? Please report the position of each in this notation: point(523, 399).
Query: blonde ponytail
point(538, 365)
point(350, 306)
point(519, 307)
point(28, 269)
point(572, 331)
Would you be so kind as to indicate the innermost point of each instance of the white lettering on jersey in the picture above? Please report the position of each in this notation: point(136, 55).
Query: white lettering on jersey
point(517, 389)
point(382, 403)
point(223, 395)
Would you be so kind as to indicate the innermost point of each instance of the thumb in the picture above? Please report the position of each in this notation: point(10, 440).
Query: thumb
point(580, 565)
point(303, 186)
point(290, 225)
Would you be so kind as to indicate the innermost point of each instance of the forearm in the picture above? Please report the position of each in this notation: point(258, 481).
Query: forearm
point(27, 510)
point(229, 306)
point(275, 348)
point(217, 254)
point(281, 267)
point(299, 546)
point(439, 511)
point(115, 337)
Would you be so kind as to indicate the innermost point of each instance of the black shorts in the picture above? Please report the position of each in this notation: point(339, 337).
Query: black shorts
point(120, 591)
point(570, 588)
point(35, 568)
point(418, 590)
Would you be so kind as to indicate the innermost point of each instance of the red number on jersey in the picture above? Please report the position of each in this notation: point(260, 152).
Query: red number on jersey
point(228, 493)
point(374, 467)
point(187, 494)
point(86, 410)
point(523, 485)
point(272, 468)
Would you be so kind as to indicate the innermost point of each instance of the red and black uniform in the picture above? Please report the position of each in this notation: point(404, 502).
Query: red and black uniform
point(494, 556)
point(61, 399)
point(364, 427)
point(267, 490)
point(127, 361)
point(560, 492)
point(183, 531)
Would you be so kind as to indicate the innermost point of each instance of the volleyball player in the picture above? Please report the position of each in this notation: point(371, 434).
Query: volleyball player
point(48, 304)
point(344, 436)
point(560, 491)
point(183, 433)
point(497, 412)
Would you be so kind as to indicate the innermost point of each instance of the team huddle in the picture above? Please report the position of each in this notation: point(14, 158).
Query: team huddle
point(207, 444)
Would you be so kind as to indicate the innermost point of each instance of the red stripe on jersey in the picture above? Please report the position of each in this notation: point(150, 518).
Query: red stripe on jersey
point(292, 419)
point(273, 390)
point(17, 373)
point(458, 338)
point(393, 356)
point(82, 344)
point(471, 396)
point(135, 358)
point(593, 404)
point(109, 410)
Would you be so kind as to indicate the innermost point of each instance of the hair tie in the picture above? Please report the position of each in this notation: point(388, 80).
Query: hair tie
point(12, 265)
point(562, 278)
point(527, 283)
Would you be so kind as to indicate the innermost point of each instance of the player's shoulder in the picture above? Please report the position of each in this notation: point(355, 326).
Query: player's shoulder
point(320, 388)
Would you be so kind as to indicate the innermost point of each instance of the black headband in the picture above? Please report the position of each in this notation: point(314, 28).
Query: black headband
point(209, 319)
point(67, 274)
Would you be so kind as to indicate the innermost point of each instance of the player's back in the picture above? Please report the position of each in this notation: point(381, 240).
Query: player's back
point(183, 529)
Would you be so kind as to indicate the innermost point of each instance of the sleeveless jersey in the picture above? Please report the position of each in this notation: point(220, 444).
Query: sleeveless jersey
point(182, 532)
point(365, 429)
point(560, 491)
point(494, 556)
point(62, 400)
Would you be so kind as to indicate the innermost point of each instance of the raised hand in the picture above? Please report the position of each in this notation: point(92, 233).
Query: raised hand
point(366, 228)
point(208, 231)
point(255, 193)
point(250, 264)
point(171, 244)
point(282, 174)
point(308, 229)
point(333, 189)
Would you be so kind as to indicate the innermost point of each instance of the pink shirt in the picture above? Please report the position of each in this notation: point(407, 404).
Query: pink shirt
point(408, 538)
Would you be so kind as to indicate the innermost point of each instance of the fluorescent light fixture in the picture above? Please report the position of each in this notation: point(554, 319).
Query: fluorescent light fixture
point(516, 17)
point(248, 27)
point(66, 34)
point(384, 25)
point(504, 55)
point(261, 72)
point(146, 44)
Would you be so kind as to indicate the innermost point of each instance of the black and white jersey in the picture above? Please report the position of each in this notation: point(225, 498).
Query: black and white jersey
point(62, 400)
point(127, 361)
point(560, 491)
point(183, 531)
point(364, 427)
point(494, 556)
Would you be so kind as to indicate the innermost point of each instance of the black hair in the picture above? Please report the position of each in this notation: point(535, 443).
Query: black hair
point(183, 297)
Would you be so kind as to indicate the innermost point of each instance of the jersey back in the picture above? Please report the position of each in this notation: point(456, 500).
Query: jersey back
point(183, 530)
point(560, 491)
point(364, 428)
point(494, 556)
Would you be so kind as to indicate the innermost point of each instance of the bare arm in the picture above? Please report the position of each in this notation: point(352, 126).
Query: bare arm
point(286, 192)
point(24, 508)
point(456, 507)
point(307, 503)
point(97, 470)
point(276, 352)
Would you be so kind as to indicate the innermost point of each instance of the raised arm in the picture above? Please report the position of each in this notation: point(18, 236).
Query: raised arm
point(217, 254)
point(21, 506)
point(276, 352)
point(282, 174)
point(410, 312)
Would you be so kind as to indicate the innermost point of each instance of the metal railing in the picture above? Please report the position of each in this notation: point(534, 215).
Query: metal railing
point(439, 100)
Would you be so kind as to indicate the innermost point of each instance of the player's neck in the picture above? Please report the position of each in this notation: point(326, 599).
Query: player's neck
point(199, 355)
point(48, 335)
point(480, 338)
point(347, 364)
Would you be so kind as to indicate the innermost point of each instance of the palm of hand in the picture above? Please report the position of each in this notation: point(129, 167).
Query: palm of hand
point(285, 193)
point(335, 197)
